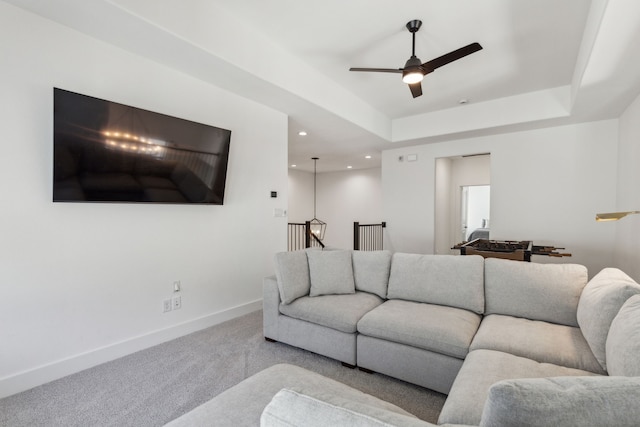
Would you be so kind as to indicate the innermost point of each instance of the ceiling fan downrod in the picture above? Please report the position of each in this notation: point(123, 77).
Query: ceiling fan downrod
point(413, 27)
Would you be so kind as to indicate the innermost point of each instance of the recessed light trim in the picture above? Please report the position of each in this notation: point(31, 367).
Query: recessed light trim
point(367, 157)
point(302, 133)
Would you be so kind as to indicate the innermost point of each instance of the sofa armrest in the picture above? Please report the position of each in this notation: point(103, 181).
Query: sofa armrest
point(566, 401)
point(270, 307)
point(318, 408)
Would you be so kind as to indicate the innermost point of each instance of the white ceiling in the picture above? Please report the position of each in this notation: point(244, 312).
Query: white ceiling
point(525, 47)
point(544, 62)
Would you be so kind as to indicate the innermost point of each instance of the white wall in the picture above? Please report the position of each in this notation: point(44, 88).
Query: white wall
point(84, 283)
point(546, 186)
point(443, 212)
point(627, 253)
point(342, 199)
point(300, 196)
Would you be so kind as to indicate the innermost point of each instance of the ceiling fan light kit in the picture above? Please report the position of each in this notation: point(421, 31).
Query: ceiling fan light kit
point(414, 70)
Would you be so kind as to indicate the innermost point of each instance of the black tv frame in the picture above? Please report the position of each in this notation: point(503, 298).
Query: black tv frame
point(110, 152)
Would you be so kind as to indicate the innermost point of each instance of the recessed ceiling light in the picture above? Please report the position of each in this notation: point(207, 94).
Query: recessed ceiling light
point(367, 157)
point(302, 133)
point(349, 167)
point(293, 166)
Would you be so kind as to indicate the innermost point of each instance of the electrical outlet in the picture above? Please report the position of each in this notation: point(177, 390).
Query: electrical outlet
point(177, 302)
point(166, 305)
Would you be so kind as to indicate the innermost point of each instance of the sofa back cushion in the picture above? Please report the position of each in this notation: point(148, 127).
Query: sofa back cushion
point(450, 280)
point(548, 292)
point(563, 401)
point(599, 303)
point(623, 340)
point(331, 272)
point(292, 272)
point(371, 271)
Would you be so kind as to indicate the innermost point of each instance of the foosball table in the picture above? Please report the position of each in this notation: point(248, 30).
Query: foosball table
point(508, 249)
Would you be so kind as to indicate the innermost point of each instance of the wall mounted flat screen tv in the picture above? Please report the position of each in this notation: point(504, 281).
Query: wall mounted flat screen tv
point(110, 152)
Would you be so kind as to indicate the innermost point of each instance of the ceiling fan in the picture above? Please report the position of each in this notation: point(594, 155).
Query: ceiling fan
point(414, 70)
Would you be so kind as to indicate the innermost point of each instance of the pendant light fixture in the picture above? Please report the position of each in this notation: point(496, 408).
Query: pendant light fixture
point(317, 227)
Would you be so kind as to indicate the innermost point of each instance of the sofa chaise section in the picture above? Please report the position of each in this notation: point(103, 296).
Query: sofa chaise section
point(532, 313)
point(530, 330)
point(482, 369)
point(495, 388)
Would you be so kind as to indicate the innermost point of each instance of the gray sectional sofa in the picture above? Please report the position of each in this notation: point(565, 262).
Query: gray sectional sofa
point(455, 324)
point(511, 343)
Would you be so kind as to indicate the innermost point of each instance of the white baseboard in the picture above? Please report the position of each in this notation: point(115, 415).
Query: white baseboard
point(26, 380)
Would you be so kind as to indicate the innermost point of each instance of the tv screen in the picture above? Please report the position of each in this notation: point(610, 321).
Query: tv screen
point(110, 152)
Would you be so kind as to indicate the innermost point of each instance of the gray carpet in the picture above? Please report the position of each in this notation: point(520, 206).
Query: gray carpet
point(154, 386)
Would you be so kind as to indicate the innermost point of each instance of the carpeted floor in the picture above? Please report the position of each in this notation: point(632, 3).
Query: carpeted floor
point(154, 386)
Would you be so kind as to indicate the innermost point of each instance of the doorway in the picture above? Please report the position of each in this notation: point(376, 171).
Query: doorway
point(462, 200)
point(475, 204)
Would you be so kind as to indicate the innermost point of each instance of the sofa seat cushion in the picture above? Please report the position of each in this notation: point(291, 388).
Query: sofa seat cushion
point(548, 292)
point(441, 329)
point(302, 407)
point(340, 312)
point(599, 303)
point(483, 368)
point(563, 401)
point(541, 341)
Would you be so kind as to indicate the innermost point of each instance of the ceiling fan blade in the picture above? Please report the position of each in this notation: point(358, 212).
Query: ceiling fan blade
point(378, 70)
point(452, 56)
point(416, 89)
